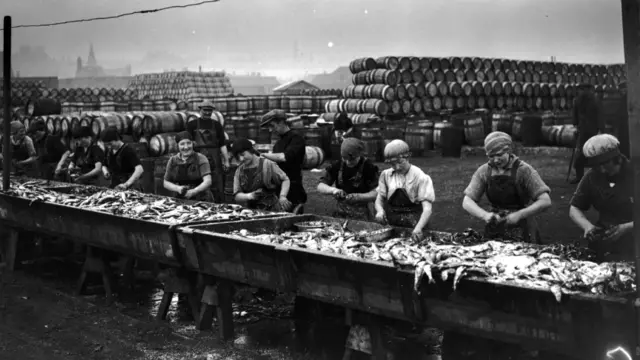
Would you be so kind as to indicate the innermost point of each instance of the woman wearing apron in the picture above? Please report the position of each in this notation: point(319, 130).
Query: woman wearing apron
point(259, 182)
point(209, 137)
point(52, 153)
point(405, 198)
point(514, 189)
point(608, 188)
point(355, 178)
point(188, 174)
point(23, 153)
point(87, 160)
point(123, 167)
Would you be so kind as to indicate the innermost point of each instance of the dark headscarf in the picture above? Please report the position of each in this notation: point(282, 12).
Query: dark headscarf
point(84, 131)
point(242, 144)
point(110, 134)
point(183, 135)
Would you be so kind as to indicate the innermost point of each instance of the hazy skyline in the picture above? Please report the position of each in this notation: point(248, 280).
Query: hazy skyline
point(259, 35)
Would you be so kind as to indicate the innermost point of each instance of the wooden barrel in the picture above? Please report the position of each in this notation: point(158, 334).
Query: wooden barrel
point(334, 106)
point(406, 77)
point(473, 128)
point(162, 122)
point(312, 136)
point(419, 136)
point(100, 123)
point(502, 122)
point(567, 136)
point(50, 125)
point(452, 139)
point(229, 129)
point(377, 91)
point(162, 144)
point(380, 76)
point(387, 62)
point(411, 91)
point(516, 125)
point(371, 137)
point(136, 125)
point(373, 106)
point(249, 129)
point(64, 126)
point(437, 133)
point(313, 158)
point(362, 64)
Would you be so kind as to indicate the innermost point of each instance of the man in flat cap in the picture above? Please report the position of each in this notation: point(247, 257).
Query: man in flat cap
point(208, 135)
point(587, 117)
point(288, 153)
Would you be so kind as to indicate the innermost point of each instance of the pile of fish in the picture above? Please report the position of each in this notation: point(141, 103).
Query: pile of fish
point(562, 269)
point(133, 204)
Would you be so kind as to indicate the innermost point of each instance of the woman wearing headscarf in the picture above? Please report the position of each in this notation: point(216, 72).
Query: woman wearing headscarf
point(123, 167)
point(608, 188)
point(259, 182)
point(514, 189)
point(188, 173)
point(86, 162)
point(23, 152)
point(52, 152)
point(352, 181)
point(405, 192)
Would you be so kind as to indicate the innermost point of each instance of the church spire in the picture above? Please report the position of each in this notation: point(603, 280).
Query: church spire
point(92, 57)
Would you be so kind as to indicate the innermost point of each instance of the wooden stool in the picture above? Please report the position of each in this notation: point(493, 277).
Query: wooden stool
point(217, 298)
point(176, 283)
point(9, 248)
point(365, 335)
point(97, 263)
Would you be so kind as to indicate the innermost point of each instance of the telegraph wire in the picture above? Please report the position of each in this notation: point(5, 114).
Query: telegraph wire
point(139, 12)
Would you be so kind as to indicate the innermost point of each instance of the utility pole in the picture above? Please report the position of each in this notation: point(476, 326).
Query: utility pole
point(6, 149)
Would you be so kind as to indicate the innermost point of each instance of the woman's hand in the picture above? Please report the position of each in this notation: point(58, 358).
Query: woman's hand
point(189, 194)
point(339, 194)
point(616, 232)
point(285, 204)
point(417, 235)
point(381, 217)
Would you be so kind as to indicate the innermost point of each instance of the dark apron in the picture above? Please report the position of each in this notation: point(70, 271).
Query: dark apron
point(188, 175)
point(118, 176)
point(622, 249)
point(207, 145)
point(361, 211)
point(19, 153)
point(401, 211)
point(504, 196)
point(251, 180)
point(86, 166)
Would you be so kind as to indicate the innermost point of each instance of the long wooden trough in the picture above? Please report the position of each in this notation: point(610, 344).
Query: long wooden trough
point(580, 326)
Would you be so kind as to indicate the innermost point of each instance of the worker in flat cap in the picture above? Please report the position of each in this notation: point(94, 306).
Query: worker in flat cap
point(87, 159)
point(52, 153)
point(589, 121)
point(23, 153)
point(259, 182)
point(209, 139)
point(514, 188)
point(343, 127)
point(352, 181)
point(188, 174)
point(607, 187)
point(405, 192)
point(122, 168)
point(289, 153)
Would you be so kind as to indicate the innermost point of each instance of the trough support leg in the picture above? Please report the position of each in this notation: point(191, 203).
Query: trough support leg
point(97, 264)
point(365, 335)
point(128, 272)
point(178, 284)
point(217, 298)
point(10, 248)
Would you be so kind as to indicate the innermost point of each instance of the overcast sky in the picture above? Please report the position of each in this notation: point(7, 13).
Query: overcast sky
point(259, 35)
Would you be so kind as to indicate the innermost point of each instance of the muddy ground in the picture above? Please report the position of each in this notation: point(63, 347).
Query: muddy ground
point(40, 318)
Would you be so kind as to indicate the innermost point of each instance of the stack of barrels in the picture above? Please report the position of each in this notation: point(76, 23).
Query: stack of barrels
point(401, 86)
point(535, 129)
point(182, 85)
point(22, 91)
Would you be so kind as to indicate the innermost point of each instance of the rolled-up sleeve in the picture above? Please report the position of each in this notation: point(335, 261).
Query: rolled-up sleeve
point(382, 184)
point(203, 164)
point(278, 174)
point(582, 196)
point(426, 191)
point(31, 150)
point(236, 182)
point(478, 183)
point(330, 174)
point(532, 182)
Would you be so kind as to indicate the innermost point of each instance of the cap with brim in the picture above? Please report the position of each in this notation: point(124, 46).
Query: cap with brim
point(273, 115)
point(183, 135)
point(241, 145)
point(207, 105)
point(84, 131)
point(110, 134)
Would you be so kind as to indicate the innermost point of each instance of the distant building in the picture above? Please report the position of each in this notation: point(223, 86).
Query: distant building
point(340, 78)
point(92, 70)
point(294, 88)
point(254, 84)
